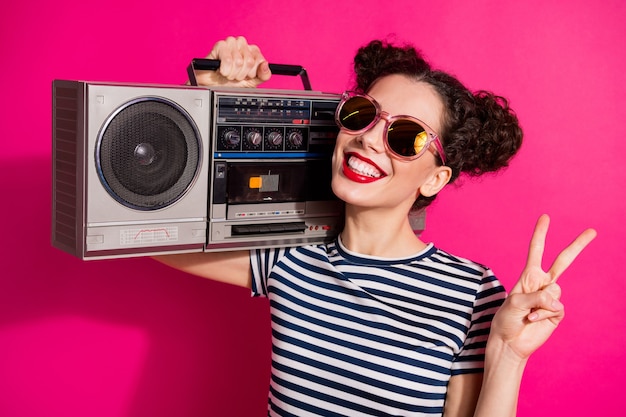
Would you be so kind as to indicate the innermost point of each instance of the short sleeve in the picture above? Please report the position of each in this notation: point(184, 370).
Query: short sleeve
point(261, 263)
point(489, 297)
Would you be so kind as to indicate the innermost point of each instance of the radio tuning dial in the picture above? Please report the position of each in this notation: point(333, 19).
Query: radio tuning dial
point(295, 139)
point(254, 138)
point(231, 139)
point(275, 138)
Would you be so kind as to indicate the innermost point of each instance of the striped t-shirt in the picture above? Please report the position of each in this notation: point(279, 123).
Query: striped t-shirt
point(356, 335)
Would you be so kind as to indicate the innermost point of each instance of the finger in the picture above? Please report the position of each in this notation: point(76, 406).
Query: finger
point(236, 60)
point(263, 72)
point(256, 69)
point(223, 51)
point(229, 52)
point(537, 305)
point(542, 314)
point(246, 65)
point(538, 242)
point(223, 48)
point(554, 290)
point(261, 69)
point(215, 51)
point(569, 254)
point(525, 302)
point(548, 305)
point(533, 278)
point(551, 309)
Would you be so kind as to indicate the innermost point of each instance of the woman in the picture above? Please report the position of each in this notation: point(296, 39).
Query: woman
point(379, 322)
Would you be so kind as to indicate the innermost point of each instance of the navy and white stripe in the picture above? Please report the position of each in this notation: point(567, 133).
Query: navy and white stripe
point(355, 335)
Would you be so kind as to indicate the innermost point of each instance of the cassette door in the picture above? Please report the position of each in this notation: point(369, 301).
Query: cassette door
point(129, 168)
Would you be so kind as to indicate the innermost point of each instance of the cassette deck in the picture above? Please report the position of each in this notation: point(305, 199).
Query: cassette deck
point(270, 165)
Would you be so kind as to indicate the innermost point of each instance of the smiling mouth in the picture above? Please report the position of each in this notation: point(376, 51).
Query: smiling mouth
point(361, 170)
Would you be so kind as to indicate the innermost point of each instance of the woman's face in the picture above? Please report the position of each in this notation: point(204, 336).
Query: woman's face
point(364, 173)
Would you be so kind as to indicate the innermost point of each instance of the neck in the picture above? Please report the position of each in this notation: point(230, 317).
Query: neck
point(379, 232)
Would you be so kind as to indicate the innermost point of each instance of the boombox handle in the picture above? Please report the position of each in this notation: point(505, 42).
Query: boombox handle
point(204, 64)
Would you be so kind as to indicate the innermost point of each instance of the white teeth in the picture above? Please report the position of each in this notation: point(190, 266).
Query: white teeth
point(363, 167)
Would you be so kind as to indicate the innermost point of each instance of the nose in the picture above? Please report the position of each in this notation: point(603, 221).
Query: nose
point(373, 138)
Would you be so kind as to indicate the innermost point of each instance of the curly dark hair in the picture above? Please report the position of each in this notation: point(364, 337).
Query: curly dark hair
point(479, 131)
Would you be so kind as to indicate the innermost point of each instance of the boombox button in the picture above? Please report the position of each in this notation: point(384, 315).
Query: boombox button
point(300, 121)
point(94, 240)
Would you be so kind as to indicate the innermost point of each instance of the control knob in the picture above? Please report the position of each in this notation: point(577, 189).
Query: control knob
point(231, 138)
point(275, 138)
point(254, 138)
point(295, 139)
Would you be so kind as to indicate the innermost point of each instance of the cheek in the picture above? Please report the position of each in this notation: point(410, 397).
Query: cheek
point(337, 158)
point(409, 175)
point(341, 140)
point(339, 185)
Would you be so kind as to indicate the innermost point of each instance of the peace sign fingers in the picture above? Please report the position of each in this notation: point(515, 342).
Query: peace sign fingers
point(533, 277)
point(532, 310)
point(567, 255)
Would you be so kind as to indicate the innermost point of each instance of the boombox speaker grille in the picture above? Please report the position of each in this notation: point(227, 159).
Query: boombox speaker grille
point(148, 153)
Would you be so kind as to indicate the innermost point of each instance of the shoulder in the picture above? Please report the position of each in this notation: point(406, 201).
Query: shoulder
point(452, 262)
point(462, 269)
point(269, 257)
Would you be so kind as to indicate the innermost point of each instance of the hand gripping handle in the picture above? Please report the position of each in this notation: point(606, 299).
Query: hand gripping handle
point(204, 64)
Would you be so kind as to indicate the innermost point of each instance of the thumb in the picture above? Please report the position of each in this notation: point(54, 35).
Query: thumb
point(263, 72)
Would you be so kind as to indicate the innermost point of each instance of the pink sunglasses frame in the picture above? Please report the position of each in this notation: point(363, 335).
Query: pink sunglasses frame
point(433, 138)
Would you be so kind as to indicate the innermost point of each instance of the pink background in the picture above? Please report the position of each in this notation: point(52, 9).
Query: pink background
point(133, 338)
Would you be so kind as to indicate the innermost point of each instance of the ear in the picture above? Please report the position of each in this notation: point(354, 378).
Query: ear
point(436, 181)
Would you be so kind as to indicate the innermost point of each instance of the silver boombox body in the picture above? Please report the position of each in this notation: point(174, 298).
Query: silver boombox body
point(155, 169)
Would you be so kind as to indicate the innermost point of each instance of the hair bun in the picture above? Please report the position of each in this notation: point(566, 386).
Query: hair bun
point(489, 136)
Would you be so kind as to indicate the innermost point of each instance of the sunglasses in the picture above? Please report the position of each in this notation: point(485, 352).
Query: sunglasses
point(405, 137)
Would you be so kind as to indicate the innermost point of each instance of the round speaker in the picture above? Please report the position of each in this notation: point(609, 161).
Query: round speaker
point(148, 153)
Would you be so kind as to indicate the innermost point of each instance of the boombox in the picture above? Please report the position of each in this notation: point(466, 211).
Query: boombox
point(143, 169)
point(153, 169)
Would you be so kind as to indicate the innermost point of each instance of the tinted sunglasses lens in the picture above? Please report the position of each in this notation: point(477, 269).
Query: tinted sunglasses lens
point(357, 113)
point(407, 138)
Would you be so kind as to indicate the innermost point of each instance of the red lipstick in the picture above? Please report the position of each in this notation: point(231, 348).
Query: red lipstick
point(355, 176)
